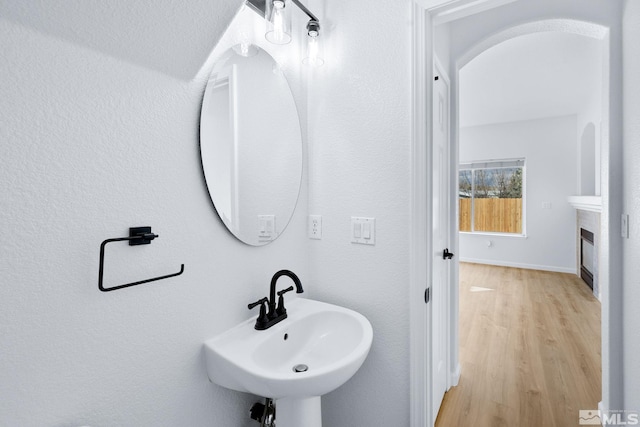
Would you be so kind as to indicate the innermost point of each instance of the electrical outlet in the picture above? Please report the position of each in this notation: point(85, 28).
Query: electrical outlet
point(315, 227)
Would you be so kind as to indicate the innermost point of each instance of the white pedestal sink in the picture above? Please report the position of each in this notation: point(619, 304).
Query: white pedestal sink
point(327, 343)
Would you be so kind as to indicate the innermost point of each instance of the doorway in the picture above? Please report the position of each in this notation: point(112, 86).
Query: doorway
point(426, 14)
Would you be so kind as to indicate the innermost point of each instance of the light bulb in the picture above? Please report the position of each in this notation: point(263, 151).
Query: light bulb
point(314, 45)
point(314, 52)
point(278, 22)
point(245, 49)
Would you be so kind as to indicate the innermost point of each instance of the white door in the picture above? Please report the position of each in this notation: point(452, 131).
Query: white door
point(440, 279)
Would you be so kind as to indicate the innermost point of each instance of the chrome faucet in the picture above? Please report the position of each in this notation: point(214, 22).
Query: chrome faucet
point(276, 313)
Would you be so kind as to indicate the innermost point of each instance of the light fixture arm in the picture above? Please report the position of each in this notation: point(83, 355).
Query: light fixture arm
point(305, 10)
point(259, 7)
point(280, 34)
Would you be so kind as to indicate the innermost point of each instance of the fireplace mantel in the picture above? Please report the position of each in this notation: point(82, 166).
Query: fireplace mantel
point(586, 203)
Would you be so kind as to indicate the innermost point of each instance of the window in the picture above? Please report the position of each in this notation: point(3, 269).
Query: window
point(490, 196)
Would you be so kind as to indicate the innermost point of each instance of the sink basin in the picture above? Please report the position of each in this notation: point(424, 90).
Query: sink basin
point(326, 342)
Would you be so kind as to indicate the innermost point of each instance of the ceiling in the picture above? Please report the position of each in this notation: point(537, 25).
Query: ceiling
point(530, 77)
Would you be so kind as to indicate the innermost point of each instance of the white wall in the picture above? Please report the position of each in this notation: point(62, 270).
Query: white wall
point(468, 33)
point(590, 119)
point(80, 108)
point(631, 206)
point(589, 145)
point(99, 113)
point(549, 147)
point(359, 136)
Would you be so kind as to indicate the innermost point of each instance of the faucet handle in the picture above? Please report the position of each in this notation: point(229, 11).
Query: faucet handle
point(260, 301)
point(281, 310)
point(262, 317)
point(284, 291)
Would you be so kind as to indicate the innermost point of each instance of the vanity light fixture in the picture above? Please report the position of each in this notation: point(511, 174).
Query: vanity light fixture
point(314, 45)
point(277, 14)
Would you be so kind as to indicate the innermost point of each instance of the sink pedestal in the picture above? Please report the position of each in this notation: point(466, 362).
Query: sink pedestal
point(297, 412)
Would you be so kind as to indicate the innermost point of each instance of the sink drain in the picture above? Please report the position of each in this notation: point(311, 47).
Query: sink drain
point(300, 368)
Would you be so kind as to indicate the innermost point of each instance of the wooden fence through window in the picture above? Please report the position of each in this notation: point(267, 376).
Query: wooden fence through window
point(492, 215)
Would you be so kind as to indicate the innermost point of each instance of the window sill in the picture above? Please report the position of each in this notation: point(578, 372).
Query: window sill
point(481, 233)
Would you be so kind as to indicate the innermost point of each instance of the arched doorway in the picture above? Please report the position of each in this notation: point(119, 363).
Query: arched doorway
point(425, 17)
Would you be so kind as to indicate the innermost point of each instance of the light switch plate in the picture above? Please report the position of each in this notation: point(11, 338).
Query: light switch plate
point(266, 228)
point(363, 230)
point(624, 226)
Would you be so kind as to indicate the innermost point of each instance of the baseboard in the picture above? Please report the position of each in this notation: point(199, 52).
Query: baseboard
point(520, 265)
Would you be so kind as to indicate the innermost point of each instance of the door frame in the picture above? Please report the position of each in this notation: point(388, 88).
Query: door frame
point(421, 247)
point(426, 14)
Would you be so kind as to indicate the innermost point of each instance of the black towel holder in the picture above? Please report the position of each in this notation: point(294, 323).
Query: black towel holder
point(137, 236)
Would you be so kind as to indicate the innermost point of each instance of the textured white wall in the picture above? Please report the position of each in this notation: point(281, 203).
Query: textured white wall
point(549, 147)
point(631, 290)
point(359, 136)
point(99, 112)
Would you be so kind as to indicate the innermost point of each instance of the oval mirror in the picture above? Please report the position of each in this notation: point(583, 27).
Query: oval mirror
point(251, 145)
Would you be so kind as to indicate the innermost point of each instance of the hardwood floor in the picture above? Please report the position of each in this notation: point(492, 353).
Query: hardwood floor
point(529, 349)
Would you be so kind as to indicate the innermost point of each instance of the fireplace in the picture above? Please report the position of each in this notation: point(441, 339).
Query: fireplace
point(587, 256)
point(587, 243)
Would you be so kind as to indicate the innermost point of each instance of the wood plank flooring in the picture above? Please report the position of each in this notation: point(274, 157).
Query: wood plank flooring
point(529, 349)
